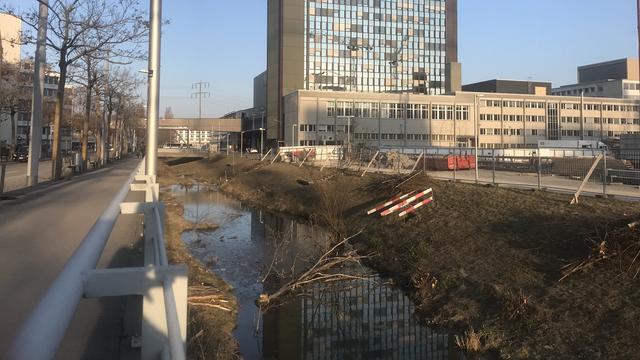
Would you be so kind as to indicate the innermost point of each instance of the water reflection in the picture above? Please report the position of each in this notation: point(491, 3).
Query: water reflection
point(351, 319)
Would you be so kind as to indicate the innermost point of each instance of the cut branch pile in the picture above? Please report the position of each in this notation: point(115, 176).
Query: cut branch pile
point(621, 245)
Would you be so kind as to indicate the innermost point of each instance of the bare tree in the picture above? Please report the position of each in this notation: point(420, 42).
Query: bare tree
point(10, 97)
point(80, 29)
point(120, 95)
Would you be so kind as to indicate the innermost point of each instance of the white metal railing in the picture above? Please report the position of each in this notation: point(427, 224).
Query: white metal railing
point(164, 323)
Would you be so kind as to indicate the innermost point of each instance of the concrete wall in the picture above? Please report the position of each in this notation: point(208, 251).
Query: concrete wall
point(509, 87)
point(616, 70)
point(260, 91)
point(285, 58)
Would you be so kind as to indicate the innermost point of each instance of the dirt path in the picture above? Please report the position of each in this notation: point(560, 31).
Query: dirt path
point(479, 257)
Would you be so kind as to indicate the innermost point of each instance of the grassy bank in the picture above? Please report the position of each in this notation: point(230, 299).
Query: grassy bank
point(482, 258)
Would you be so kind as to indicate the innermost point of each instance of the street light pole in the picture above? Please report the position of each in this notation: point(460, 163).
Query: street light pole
point(153, 99)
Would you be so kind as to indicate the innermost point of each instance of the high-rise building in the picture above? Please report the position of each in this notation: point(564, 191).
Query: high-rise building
point(403, 46)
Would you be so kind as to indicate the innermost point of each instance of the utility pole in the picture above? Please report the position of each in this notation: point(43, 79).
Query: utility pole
point(153, 98)
point(199, 94)
point(35, 136)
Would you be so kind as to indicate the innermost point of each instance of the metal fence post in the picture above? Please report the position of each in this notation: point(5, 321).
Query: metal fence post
point(604, 179)
point(3, 170)
point(455, 165)
point(493, 155)
point(539, 169)
point(476, 160)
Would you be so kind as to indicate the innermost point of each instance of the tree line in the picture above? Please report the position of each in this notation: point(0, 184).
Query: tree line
point(90, 44)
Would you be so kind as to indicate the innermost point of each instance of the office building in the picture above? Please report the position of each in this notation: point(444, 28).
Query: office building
point(415, 120)
point(367, 46)
point(510, 87)
point(611, 79)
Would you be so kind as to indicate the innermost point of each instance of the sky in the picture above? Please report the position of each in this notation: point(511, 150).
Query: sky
point(224, 43)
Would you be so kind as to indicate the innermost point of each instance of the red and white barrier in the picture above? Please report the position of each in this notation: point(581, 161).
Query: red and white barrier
point(390, 202)
point(415, 207)
point(406, 202)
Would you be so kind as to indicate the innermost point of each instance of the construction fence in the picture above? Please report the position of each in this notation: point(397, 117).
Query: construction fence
point(593, 171)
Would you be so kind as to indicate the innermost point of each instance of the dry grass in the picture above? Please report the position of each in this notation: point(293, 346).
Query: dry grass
point(474, 342)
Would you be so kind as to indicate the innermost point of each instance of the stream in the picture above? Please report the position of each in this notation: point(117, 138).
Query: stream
point(363, 318)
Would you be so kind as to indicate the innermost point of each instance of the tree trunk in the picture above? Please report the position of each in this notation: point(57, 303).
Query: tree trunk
point(98, 132)
point(14, 128)
point(108, 136)
point(87, 116)
point(59, 115)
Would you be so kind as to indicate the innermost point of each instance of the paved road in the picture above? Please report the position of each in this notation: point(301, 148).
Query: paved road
point(16, 175)
point(40, 232)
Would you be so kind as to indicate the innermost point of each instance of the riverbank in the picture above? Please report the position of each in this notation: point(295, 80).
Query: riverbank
point(212, 305)
point(479, 257)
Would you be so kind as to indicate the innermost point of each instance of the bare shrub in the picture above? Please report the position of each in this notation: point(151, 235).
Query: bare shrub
point(476, 342)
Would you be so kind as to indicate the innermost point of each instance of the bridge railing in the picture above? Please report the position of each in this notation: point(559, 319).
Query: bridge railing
point(162, 287)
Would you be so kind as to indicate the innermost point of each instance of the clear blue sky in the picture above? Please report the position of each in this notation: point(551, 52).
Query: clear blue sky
point(224, 43)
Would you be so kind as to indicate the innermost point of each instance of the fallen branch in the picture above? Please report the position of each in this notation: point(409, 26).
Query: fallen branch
point(320, 271)
point(215, 306)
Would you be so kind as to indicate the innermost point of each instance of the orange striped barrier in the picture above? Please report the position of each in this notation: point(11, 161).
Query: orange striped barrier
point(406, 202)
point(415, 207)
point(390, 202)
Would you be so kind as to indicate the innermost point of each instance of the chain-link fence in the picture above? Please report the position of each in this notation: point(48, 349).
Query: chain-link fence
point(592, 171)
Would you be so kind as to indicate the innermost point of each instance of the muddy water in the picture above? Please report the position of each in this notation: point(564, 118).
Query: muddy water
point(354, 319)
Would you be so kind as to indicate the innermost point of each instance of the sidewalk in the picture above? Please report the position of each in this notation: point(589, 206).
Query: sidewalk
point(40, 231)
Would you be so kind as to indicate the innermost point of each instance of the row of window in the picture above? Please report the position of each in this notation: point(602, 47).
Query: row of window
point(563, 106)
point(512, 132)
point(376, 136)
point(396, 110)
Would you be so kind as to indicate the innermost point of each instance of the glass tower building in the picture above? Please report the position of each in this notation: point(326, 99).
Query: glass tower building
point(404, 46)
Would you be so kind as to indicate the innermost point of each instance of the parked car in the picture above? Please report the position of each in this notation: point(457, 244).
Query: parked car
point(21, 154)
